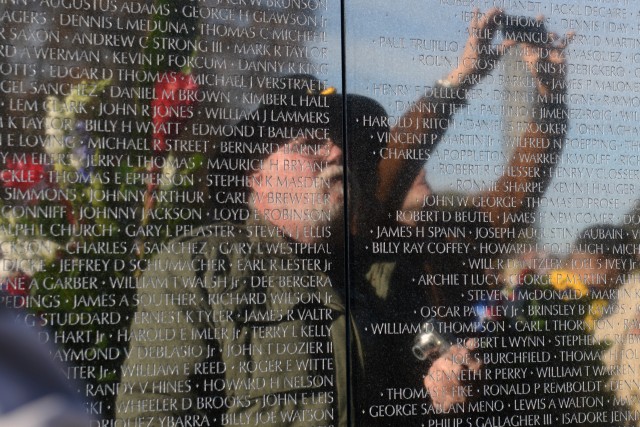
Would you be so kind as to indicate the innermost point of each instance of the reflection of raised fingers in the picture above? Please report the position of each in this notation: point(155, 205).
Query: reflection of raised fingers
point(564, 42)
point(474, 18)
point(558, 51)
point(491, 20)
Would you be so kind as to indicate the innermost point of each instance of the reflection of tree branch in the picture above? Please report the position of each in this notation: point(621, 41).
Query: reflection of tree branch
point(530, 169)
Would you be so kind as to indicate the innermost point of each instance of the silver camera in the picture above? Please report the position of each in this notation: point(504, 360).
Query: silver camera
point(429, 344)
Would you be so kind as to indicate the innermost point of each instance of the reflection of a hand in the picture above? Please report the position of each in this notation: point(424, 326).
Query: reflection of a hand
point(546, 62)
point(445, 379)
point(480, 56)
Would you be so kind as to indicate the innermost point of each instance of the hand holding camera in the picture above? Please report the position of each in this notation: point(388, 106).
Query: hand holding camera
point(430, 344)
point(450, 373)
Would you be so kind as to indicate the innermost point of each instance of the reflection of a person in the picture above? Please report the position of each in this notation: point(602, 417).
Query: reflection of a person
point(402, 187)
point(536, 146)
point(246, 321)
point(253, 322)
point(232, 303)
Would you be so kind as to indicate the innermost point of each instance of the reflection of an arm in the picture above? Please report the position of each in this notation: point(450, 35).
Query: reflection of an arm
point(529, 171)
point(523, 179)
point(419, 130)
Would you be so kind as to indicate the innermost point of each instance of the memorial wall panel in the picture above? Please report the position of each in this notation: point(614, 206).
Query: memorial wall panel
point(319, 213)
point(503, 246)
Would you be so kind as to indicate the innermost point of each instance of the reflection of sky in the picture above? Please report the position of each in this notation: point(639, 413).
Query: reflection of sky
point(334, 45)
point(370, 62)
